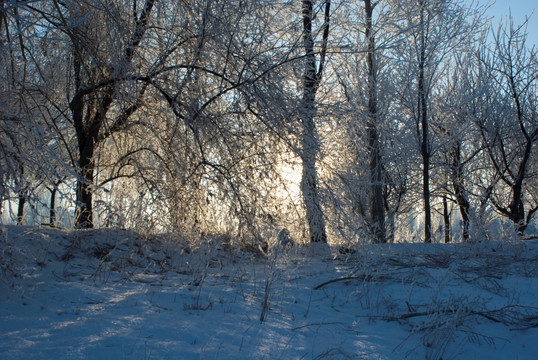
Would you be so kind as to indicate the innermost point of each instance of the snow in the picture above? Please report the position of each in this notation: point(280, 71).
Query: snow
point(110, 294)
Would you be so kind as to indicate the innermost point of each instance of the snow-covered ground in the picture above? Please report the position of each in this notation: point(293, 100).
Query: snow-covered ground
point(107, 294)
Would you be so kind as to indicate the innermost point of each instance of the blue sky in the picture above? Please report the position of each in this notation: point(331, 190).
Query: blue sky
point(519, 9)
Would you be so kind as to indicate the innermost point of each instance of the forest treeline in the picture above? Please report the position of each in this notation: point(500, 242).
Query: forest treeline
point(339, 121)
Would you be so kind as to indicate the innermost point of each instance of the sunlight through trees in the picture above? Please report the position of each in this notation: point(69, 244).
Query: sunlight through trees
point(338, 121)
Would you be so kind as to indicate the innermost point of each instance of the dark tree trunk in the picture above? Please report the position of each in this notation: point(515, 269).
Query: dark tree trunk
point(23, 193)
point(20, 209)
point(446, 220)
point(52, 210)
point(377, 210)
point(84, 199)
point(422, 113)
point(87, 125)
point(517, 208)
point(459, 191)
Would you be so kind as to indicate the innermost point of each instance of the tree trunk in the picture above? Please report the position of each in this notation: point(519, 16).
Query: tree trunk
point(517, 208)
point(459, 191)
point(20, 209)
point(87, 126)
point(310, 144)
point(23, 193)
point(84, 199)
point(52, 210)
point(377, 209)
point(423, 119)
point(446, 220)
point(314, 213)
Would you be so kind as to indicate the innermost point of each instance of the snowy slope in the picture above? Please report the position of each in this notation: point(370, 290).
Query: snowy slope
point(107, 294)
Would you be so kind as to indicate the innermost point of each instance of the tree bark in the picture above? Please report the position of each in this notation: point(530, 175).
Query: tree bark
point(446, 220)
point(87, 123)
point(84, 199)
point(377, 209)
point(20, 209)
point(517, 208)
point(52, 210)
point(23, 193)
point(310, 144)
point(459, 191)
point(422, 113)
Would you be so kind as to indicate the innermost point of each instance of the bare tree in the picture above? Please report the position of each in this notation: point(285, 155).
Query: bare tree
point(436, 28)
point(458, 101)
point(103, 44)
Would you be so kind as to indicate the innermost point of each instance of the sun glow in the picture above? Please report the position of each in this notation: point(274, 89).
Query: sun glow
point(291, 175)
